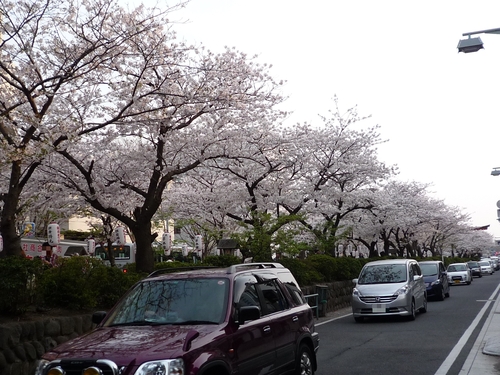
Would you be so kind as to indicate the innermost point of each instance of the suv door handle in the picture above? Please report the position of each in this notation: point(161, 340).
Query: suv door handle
point(266, 329)
point(295, 318)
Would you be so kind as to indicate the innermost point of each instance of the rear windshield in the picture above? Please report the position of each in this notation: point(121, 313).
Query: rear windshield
point(383, 274)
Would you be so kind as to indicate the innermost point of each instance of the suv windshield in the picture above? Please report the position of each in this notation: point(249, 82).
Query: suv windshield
point(186, 301)
point(382, 274)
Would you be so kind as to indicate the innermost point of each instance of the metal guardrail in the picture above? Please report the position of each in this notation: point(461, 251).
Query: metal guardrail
point(315, 307)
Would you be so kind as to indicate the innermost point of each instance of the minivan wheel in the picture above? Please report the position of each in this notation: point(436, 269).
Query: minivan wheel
point(412, 311)
point(304, 361)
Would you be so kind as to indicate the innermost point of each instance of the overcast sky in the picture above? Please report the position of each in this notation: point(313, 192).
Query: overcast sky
point(397, 61)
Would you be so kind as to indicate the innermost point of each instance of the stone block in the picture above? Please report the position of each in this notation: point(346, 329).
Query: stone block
point(52, 327)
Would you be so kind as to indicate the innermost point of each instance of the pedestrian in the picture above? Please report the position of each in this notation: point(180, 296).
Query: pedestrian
point(50, 258)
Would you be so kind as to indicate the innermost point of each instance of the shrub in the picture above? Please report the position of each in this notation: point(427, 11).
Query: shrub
point(302, 270)
point(110, 283)
point(84, 283)
point(18, 276)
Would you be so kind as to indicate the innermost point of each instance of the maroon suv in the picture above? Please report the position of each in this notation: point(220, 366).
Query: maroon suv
point(247, 319)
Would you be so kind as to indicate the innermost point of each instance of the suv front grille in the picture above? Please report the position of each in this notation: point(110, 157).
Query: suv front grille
point(76, 366)
point(378, 299)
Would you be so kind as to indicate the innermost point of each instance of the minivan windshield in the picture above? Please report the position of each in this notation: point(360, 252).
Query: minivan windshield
point(173, 301)
point(383, 274)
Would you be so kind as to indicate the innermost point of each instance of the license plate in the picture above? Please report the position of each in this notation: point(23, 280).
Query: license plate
point(456, 281)
point(378, 308)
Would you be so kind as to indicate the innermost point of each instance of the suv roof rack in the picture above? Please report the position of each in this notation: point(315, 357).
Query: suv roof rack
point(178, 269)
point(252, 266)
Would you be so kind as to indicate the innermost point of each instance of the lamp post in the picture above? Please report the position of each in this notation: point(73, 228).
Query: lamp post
point(496, 172)
point(474, 44)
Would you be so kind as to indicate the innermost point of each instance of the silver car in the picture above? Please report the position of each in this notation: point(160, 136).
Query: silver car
point(389, 287)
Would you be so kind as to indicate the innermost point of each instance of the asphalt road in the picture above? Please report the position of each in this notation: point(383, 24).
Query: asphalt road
point(394, 345)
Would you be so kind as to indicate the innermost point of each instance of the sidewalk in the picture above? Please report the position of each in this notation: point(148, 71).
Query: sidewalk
point(484, 357)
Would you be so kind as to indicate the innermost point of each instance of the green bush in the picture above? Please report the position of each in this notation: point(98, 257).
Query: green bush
point(18, 278)
point(303, 271)
point(336, 269)
point(84, 283)
point(110, 283)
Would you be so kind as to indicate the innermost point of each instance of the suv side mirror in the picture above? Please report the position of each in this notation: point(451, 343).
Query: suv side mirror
point(246, 313)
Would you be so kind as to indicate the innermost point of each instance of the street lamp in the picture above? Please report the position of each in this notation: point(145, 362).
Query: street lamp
point(474, 44)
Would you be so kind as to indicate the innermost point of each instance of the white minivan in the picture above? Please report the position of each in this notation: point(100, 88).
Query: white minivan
point(389, 287)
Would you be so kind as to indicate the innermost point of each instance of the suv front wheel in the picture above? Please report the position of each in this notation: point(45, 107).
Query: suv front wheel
point(304, 361)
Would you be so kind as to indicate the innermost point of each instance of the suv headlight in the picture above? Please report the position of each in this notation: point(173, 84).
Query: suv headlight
point(436, 282)
point(41, 364)
point(162, 367)
point(356, 293)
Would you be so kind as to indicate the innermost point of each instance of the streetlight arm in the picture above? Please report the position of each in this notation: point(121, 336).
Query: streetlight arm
point(488, 31)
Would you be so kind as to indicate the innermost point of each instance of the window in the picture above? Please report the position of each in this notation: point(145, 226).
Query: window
point(296, 293)
point(273, 300)
point(266, 295)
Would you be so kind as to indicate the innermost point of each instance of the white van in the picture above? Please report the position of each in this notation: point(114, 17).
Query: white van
point(124, 254)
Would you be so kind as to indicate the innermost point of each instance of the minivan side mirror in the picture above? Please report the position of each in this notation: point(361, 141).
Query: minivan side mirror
point(246, 313)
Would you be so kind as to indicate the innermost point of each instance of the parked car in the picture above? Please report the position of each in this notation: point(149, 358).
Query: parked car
point(389, 287)
point(486, 268)
point(459, 273)
point(496, 262)
point(475, 268)
point(492, 263)
point(246, 319)
point(436, 279)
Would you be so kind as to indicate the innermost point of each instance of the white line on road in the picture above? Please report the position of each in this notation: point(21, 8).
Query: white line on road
point(448, 362)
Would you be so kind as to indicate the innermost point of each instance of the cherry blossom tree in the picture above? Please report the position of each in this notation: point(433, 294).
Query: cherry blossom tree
point(340, 169)
point(245, 187)
point(130, 108)
point(58, 63)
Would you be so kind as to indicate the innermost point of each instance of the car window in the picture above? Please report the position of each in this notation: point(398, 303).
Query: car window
point(249, 297)
point(296, 294)
point(273, 299)
point(417, 271)
point(267, 296)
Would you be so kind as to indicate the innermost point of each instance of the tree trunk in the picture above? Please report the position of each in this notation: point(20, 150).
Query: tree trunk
point(144, 250)
point(8, 230)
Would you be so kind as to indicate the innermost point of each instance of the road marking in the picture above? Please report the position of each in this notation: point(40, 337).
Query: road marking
point(448, 362)
point(331, 320)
